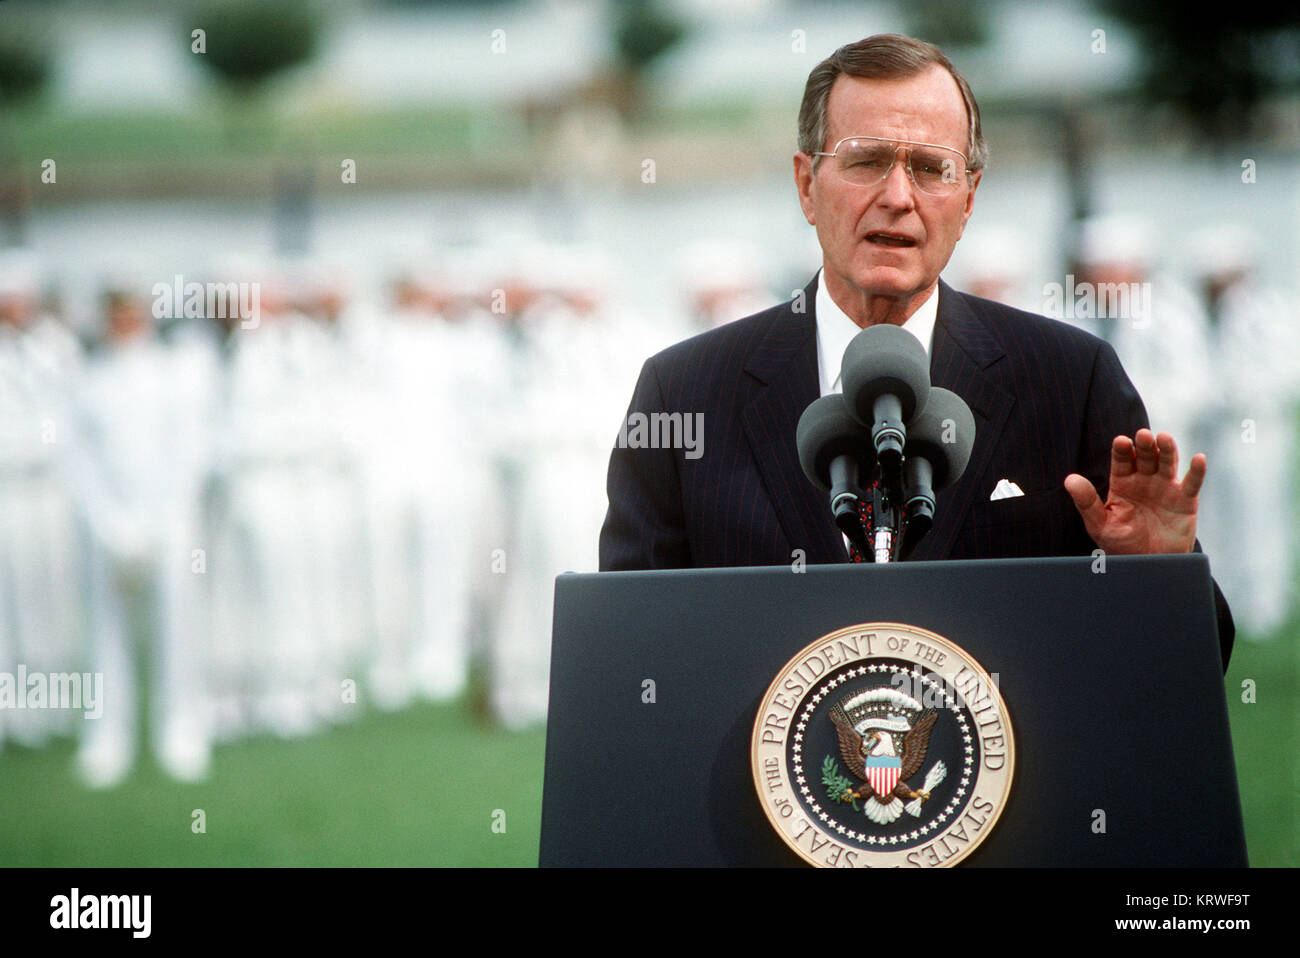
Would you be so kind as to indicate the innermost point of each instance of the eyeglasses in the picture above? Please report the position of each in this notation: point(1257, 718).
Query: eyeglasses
point(868, 160)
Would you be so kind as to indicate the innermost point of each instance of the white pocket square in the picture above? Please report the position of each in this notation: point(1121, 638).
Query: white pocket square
point(1006, 490)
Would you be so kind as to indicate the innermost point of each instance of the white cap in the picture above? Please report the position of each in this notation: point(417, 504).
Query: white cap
point(20, 273)
point(1222, 248)
point(1115, 239)
point(718, 263)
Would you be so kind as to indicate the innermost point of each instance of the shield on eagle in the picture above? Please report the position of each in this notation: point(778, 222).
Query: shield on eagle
point(883, 772)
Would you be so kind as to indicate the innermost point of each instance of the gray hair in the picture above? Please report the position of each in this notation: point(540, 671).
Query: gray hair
point(887, 56)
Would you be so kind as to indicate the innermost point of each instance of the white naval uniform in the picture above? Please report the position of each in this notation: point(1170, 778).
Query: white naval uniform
point(413, 435)
point(142, 434)
point(1246, 520)
point(39, 610)
point(286, 620)
point(567, 391)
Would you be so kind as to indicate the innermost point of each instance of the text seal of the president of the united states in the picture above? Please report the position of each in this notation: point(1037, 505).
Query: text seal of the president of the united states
point(883, 745)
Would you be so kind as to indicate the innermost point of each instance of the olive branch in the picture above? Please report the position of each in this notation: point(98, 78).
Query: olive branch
point(837, 786)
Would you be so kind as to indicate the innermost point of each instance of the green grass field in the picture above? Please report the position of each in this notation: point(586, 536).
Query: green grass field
point(422, 788)
point(1264, 737)
point(415, 788)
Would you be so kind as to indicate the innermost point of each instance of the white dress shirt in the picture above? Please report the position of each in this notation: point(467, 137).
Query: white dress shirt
point(835, 329)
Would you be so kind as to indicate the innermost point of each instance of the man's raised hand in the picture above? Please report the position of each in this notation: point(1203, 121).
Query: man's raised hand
point(1147, 510)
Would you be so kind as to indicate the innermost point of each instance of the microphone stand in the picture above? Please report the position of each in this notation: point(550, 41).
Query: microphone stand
point(887, 518)
point(887, 513)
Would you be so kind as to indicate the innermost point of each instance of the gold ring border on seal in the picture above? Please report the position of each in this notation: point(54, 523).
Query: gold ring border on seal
point(943, 643)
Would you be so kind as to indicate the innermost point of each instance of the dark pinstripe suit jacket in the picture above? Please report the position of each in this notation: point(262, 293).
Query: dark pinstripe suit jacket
point(1048, 400)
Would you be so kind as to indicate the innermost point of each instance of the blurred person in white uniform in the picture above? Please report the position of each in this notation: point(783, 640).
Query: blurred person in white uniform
point(276, 667)
point(483, 353)
point(567, 394)
point(722, 280)
point(1149, 315)
point(392, 545)
point(1247, 517)
point(142, 439)
point(39, 620)
point(418, 479)
point(326, 293)
point(994, 263)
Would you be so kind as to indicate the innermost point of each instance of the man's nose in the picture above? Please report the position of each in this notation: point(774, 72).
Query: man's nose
point(897, 189)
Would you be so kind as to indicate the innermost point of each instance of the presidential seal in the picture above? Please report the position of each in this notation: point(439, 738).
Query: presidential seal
point(883, 745)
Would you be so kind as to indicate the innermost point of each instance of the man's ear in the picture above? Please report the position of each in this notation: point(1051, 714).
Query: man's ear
point(970, 200)
point(803, 182)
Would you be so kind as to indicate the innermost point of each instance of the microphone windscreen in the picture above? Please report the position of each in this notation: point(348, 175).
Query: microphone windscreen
point(943, 433)
point(826, 430)
point(885, 359)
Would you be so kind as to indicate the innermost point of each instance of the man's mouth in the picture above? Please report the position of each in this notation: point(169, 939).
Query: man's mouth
point(897, 240)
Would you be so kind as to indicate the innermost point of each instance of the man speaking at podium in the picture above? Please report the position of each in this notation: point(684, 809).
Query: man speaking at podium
point(890, 156)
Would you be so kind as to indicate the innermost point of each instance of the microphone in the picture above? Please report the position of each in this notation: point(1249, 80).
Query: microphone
point(886, 377)
point(939, 443)
point(836, 452)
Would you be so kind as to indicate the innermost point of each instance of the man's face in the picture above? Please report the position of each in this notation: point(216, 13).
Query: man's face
point(889, 240)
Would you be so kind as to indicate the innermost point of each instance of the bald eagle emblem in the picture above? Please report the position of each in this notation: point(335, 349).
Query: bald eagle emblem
point(883, 736)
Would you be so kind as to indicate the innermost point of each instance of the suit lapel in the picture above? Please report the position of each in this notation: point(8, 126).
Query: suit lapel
point(783, 370)
point(784, 378)
point(960, 357)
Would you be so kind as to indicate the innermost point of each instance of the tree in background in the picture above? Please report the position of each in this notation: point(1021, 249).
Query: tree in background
point(24, 63)
point(24, 72)
point(247, 42)
point(1216, 65)
point(642, 33)
point(947, 24)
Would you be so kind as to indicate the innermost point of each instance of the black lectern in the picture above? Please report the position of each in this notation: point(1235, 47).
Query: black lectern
point(1111, 676)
